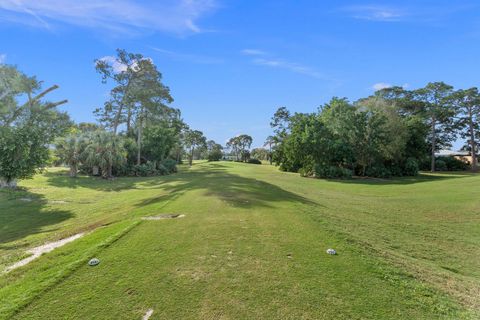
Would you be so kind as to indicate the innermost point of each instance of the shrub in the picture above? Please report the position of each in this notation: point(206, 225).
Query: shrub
point(378, 171)
point(322, 171)
point(144, 169)
point(162, 170)
point(124, 169)
point(254, 161)
point(396, 170)
point(440, 165)
point(454, 164)
point(411, 167)
point(170, 165)
point(214, 155)
point(305, 172)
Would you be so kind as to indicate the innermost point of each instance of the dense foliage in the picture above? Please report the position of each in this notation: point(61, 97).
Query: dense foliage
point(214, 151)
point(393, 133)
point(259, 154)
point(240, 146)
point(138, 132)
point(28, 124)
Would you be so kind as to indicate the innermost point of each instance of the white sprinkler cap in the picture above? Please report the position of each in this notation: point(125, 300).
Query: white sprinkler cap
point(93, 262)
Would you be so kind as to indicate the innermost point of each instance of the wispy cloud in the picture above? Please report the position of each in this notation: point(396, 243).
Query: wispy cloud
point(3, 58)
point(376, 13)
point(263, 58)
point(290, 66)
point(432, 13)
point(193, 58)
point(253, 52)
point(381, 85)
point(171, 16)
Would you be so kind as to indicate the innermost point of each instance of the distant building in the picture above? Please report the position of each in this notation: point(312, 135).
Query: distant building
point(460, 155)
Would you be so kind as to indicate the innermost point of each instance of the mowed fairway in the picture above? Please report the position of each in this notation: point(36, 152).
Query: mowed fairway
point(251, 246)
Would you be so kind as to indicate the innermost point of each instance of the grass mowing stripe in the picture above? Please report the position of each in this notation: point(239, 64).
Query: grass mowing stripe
point(41, 275)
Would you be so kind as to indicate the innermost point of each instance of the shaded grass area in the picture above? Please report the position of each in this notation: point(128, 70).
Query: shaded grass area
point(19, 287)
point(53, 206)
point(253, 245)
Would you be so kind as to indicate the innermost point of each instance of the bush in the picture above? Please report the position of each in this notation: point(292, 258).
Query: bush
point(411, 167)
point(254, 161)
point(440, 165)
point(454, 164)
point(322, 171)
point(214, 155)
point(144, 169)
point(378, 171)
point(162, 170)
point(119, 170)
point(305, 172)
point(170, 165)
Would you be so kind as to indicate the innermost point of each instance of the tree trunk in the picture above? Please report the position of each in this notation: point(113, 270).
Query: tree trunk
point(434, 143)
point(473, 146)
point(139, 142)
point(5, 183)
point(73, 170)
point(117, 120)
point(270, 153)
point(129, 119)
point(190, 160)
point(110, 174)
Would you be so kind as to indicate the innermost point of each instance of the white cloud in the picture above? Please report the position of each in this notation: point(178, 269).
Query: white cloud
point(117, 66)
point(376, 13)
point(290, 66)
point(188, 57)
point(381, 85)
point(172, 16)
point(253, 52)
point(3, 57)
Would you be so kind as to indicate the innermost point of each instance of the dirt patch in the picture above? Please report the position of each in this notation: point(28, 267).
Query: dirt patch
point(165, 216)
point(147, 314)
point(57, 201)
point(38, 251)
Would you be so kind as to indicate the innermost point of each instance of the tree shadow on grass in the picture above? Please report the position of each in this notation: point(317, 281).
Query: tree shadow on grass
point(421, 178)
point(22, 214)
point(62, 180)
point(235, 190)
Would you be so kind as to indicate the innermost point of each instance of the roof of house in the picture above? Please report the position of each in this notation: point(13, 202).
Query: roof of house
point(451, 153)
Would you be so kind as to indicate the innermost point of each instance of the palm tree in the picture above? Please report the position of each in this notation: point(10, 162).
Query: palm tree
point(69, 150)
point(105, 151)
point(269, 142)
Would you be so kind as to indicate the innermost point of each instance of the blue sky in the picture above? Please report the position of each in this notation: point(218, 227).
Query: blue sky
point(231, 63)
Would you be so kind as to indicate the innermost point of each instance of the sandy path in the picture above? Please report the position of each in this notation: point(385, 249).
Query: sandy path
point(38, 251)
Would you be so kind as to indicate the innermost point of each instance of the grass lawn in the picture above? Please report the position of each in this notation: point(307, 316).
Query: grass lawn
point(251, 246)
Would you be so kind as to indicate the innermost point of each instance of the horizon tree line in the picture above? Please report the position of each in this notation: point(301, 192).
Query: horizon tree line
point(393, 132)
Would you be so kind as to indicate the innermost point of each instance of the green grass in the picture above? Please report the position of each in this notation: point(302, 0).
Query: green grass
point(252, 246)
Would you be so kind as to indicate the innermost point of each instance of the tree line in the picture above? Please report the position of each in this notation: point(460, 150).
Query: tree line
point(394, 132)
point(138, 132)
point(391, 133)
